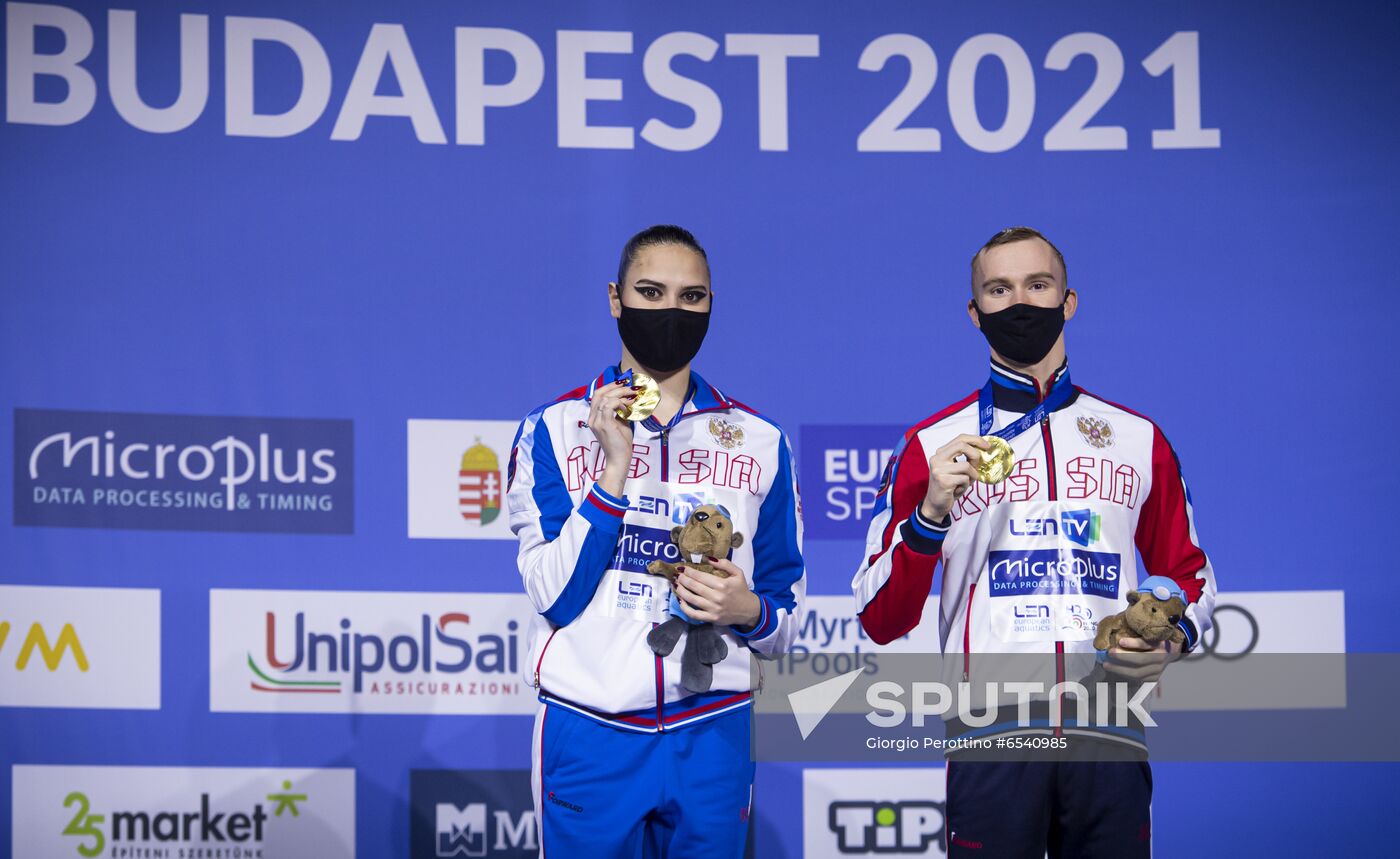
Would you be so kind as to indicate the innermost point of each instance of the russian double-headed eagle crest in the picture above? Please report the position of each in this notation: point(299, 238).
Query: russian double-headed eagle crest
point(1096, 431)
point(726, 434)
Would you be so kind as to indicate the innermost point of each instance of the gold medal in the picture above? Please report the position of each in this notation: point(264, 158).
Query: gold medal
point(648, 398)
point(996, 462)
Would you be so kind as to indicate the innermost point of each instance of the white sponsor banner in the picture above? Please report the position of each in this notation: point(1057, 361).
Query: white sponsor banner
point(102, 811)
point(273, 651)
point(79, 647)
point(872, 812)
point(1306, 623)
point(457, 479)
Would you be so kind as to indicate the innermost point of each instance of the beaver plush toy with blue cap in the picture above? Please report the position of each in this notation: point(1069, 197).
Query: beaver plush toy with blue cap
point(1153, 612)
point(708, 532)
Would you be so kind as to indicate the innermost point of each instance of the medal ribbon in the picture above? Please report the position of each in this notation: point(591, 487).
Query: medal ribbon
point(985, 411)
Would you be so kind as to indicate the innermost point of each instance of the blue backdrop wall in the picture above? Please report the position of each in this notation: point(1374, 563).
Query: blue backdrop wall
point(397, 229)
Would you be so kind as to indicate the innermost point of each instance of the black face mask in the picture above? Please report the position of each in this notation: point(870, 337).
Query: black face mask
point(1023, 333)
point(662, 340)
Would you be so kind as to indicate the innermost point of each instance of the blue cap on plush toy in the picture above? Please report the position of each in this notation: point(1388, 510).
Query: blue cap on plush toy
point(1162, 588)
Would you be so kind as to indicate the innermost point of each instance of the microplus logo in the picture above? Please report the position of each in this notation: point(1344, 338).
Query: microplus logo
point(1048, 571)
point(640, 545)
point(183, 472)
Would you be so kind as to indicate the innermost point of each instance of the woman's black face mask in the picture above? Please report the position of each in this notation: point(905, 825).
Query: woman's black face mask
point(663, 339)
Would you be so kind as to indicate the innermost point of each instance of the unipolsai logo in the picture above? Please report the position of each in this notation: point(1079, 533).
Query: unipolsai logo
point(385, 652)
point(441, 648)
point(183, 472)
point(472, 813)
point(845, 464)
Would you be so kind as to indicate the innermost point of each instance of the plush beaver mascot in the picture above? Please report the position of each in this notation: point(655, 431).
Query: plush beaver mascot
point(1153, 611)
point(709, 532)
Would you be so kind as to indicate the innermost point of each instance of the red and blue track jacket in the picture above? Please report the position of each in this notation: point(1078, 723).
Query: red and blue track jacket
point(1030, 565)
point(583, 553)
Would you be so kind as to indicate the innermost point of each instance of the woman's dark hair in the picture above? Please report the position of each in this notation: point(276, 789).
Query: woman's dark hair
point(661, 234)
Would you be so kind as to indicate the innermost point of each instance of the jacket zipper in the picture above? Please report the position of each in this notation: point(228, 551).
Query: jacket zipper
point(660, 672)
point(967, 634)
point(1053, 496)
point(539, 663)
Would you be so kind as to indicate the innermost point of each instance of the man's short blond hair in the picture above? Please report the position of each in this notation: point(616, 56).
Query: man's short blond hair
point(1020, 234)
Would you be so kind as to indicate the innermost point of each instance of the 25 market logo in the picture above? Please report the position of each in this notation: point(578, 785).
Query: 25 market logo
point(165, 827)
point(118, 812)
point(183, 472)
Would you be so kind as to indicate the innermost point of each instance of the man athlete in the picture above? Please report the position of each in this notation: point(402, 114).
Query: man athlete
point(1032, 563)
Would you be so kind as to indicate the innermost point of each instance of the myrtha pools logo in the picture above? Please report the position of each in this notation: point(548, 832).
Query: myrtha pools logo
point(183, 472)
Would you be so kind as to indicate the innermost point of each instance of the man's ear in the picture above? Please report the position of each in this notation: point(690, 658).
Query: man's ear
point(1071, 304)
point(736, 541)
point(615, 300)
point(1133, 597)
point(972, 313)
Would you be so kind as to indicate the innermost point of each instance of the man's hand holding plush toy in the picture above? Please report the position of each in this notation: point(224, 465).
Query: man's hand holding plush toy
point(1140, 641)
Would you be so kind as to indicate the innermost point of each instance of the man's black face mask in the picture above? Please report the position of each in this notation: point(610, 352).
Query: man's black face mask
point(1024, 333)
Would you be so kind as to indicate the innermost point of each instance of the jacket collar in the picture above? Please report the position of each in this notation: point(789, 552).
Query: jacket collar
point(703, 397)
point(1015, 391)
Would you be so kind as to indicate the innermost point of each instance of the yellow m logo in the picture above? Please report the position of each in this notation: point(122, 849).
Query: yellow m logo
point(52, 655)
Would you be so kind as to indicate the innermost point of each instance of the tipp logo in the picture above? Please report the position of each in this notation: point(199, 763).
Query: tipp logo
point(873, 812)
point(886, 827)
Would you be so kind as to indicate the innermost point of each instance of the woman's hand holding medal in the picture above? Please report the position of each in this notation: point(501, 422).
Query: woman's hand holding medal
point(613, 433)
